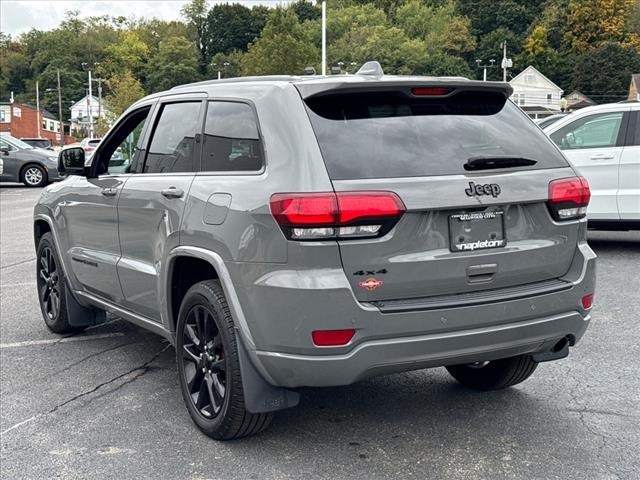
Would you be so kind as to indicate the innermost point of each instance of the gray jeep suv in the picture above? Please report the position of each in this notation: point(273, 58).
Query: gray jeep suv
point(284, 232)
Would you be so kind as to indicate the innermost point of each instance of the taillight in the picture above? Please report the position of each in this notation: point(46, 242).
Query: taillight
point(568, 198)
point(321, 216)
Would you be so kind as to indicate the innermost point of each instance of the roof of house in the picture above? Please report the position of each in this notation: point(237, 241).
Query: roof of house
point(517, 79)
point(83, 101)
point(635, 78)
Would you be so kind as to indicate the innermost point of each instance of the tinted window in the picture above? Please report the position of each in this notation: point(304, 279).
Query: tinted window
point(231, 139)
point(633, 137)
point(593, 131)
point(389, 134)
point(172, 147)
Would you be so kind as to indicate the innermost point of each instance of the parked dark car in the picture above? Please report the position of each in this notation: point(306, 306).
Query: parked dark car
point(22, 163)
point(44, 143)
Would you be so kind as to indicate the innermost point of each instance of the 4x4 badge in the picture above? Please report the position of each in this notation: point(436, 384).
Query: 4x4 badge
point(371, 284)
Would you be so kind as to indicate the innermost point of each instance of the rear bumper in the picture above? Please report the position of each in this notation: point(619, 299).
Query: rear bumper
point(396, 355)
point(283, 306)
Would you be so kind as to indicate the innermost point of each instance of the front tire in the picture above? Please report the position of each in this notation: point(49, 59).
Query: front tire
point(52, 287)
point(494, 375)
point(34, 176)
point(209, 368)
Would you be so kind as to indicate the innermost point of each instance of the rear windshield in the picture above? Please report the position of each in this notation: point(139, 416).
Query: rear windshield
point(390, 134)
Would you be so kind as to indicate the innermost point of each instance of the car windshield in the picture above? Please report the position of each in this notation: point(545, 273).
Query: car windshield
point(16, 143)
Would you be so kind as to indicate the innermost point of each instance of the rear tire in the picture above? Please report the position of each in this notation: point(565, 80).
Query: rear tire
point(209, 368)
point(494, 375)
point(52, 287)
point(33, 176)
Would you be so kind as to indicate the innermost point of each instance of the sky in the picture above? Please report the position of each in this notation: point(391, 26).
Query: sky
point(19, 16)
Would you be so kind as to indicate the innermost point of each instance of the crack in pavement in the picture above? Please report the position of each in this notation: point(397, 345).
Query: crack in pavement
point(17, 263)
point(84, 359)
point(143, 369)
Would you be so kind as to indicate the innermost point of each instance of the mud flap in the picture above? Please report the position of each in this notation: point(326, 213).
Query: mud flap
point(259, 395)
point(80, 316)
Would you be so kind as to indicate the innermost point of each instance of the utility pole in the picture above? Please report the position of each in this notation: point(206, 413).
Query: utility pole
point(99, 80)
point(506, 62)
point(89, 68)
point(38, 121)
point(60, 110)
point(324, 37)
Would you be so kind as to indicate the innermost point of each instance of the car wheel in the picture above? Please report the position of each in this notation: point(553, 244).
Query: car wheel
point(209, 368)
point(496, 374)
point(52, 287)
point(34, 176)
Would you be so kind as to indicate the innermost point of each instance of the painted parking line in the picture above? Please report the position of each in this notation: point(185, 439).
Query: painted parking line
point(30, 343)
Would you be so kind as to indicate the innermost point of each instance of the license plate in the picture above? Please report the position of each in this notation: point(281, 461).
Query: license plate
point(476, 231)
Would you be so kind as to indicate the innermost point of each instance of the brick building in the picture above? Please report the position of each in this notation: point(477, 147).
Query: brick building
point(21, 121)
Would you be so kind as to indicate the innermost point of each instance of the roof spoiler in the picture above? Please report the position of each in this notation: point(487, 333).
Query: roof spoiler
point(376, 84)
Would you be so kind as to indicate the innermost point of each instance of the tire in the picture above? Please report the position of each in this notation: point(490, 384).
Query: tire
point(496, 374)
point(33, 176)
point(206, 339)
point(52, 287)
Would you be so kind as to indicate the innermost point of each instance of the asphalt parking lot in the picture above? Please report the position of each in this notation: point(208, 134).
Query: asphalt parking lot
point(106, 403)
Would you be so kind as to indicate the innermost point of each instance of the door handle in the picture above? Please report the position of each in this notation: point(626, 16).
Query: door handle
point(601, 156)
point(109, 192)
point(172, 192)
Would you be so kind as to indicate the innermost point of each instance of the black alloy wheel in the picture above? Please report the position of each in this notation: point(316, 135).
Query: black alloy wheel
point(204, 363)
point(48, 283)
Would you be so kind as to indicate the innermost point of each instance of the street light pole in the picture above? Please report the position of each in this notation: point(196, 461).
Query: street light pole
point(484, 67)
point(324, 37)
point(60, 110)
point(38, 121)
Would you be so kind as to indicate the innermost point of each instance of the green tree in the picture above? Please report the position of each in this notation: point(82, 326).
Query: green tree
point(284, 47)
point(442, 64)
point(195, 13)
point(306, 10)
point(397, 53)
point(490, 47)
point(603, 72)
point(175, 63)
point(232, 27)
point(439, 27)
point(488, 15)
point(130, 53)
point(125, 90)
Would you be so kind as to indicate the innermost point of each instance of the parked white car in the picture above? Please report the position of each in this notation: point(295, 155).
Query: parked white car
point(603, 143)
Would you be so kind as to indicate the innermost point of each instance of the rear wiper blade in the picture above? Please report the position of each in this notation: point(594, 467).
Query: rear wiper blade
point(486, 162)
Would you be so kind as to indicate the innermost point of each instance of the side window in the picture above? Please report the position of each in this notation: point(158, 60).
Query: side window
point(173, 146)
point(231, 139)
point(594, 131)
point(121, 151)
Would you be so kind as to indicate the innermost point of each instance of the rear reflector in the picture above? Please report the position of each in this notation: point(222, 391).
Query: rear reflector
point(569, 198)
point(320, 216)
point(332, 338)
point(587, 301)
point(430, 91)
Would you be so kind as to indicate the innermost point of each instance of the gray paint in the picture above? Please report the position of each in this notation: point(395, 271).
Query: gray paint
point(279, 291)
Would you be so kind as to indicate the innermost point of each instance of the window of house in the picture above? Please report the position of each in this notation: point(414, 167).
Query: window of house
point(3, 116)
point(44, 124)
point(173, 146)
point(231, 139)
point(528, 78)
point(549, 97)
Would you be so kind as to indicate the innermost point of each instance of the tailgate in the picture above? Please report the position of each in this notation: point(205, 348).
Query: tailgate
point(473, 173)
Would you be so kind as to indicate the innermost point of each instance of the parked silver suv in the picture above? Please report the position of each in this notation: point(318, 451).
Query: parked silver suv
point(315, 231)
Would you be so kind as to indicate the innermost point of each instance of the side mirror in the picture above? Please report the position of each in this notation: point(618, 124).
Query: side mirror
point(71, 161)
point(5, 151)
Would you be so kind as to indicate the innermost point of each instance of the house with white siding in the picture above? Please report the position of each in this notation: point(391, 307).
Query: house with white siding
point(535, 93)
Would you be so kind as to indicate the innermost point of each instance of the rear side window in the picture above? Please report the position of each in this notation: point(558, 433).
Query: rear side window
point(391, 134)
point(173, 146)
point(594, 131)
point(231, 139)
